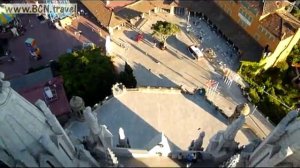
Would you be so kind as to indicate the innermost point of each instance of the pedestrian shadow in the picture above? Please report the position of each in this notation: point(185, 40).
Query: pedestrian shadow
point(146, 77)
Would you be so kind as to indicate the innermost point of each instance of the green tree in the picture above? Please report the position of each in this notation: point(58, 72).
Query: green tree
point(127, 78)
point(163, 30)
point(87, 73)
point(296, 12)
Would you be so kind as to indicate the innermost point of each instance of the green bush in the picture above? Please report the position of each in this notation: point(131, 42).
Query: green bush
point(253, 95)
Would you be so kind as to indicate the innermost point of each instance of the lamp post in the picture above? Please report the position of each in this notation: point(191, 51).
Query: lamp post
point(276, 98)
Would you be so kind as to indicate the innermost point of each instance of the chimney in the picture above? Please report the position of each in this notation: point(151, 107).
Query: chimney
point(107, 2)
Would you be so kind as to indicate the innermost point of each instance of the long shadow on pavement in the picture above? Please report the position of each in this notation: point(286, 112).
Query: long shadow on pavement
point(146, 77)
point(115, 114)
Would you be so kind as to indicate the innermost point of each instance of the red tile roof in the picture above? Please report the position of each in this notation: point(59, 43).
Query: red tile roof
point(116, 5)
point(281, 24)
point(58, 106)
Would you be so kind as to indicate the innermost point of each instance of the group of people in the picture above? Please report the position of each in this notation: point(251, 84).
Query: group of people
point(15, 27)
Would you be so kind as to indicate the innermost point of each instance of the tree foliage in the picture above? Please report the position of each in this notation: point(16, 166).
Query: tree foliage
point(296, 12)
point(87, 73)
point(272, 88)
point(164, 29)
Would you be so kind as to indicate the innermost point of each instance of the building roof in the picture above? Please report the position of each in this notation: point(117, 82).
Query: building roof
point(116, 5)
point(118, 12)
point(272, 6)
point(98, 9)
point(149, 111)
point(59, 106)
point(281, 24)
point(255, 7)
point(30, 80)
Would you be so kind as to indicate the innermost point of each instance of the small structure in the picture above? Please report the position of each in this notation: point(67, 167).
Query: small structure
point(243, 109)
point(77, 106)
point(33, 48)
point(118, 89)
point(123, 140)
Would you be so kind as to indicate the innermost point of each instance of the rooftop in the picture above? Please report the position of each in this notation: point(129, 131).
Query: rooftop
point(98, 9)
point(281, 24)
point(145, 112)
point(116, 5)
point(255, 7)
point(31, 79)
point(59, 103)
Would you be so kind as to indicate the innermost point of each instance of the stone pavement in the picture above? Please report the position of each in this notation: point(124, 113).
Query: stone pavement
point(144, 113)
point(52, 43)
point(175, 67)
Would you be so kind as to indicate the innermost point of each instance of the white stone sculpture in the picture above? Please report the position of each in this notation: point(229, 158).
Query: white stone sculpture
point(222, 145)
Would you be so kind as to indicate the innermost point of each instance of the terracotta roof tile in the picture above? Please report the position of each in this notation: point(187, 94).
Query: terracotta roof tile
point(58, 106)
point(272, 6)
point(281, 24)
point(98, 9)
point(119, 4)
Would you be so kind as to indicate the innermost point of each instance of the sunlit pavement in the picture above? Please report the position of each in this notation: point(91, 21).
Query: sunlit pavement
point(175, 67)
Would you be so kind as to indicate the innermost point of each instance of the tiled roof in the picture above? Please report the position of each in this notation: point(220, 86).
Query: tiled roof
point(142, 6)
point(272, 6)
point(281, 24)
point(59, 106)
point(254, 6)
point(119, 4)
point(98, 9)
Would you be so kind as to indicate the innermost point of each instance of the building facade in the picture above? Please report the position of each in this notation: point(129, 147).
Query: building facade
point(269, 23)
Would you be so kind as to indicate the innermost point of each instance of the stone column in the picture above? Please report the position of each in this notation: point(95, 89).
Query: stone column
point(156, 10)
point(172, 9)
point(111, 30)
point(107, 2)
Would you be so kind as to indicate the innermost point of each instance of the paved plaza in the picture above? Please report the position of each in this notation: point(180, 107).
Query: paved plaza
point(175, 66)
point(52, 43)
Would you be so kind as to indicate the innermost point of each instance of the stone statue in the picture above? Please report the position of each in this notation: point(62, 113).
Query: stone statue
point(77, 106)
point(100, 138)
point(280, 149)
point(243, 109)
point(118, 89)
point(197, 144)
point(222, 145)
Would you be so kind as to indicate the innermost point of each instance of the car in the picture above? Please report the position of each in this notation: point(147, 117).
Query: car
point(195, 51)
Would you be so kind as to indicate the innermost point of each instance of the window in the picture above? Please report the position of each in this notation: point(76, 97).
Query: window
point(257, 37)
point(246, 18)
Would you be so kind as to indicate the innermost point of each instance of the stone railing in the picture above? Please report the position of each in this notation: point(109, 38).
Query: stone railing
point(151, 89)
